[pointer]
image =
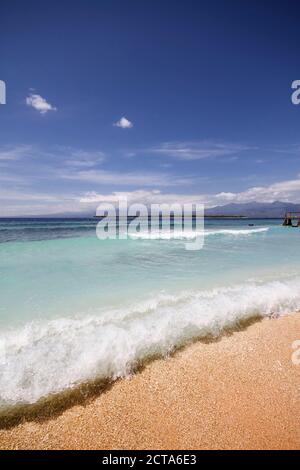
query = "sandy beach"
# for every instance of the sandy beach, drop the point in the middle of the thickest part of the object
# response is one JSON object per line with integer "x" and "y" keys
{"x": 239, "y": 392}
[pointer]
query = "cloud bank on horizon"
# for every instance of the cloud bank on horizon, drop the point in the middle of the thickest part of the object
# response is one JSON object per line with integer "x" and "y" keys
{"x": 77, "y": 174}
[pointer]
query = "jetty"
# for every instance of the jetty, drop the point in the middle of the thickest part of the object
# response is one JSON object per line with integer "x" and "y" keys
{"x": 289, "y": 217}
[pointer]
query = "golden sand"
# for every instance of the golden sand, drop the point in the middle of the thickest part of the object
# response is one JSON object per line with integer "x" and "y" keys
{"x": 241, "y": 392}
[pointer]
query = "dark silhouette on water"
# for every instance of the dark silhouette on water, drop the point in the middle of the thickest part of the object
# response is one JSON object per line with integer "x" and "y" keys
{"x": 288, "y": 219}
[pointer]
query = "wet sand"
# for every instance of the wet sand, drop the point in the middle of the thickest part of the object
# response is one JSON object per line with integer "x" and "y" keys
{"x": 240, "y": 392}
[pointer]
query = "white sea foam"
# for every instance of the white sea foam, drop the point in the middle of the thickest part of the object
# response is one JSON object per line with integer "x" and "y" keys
{"x": 237, "y": 232}
{"x": 44, "y": 358}
{"x": 191, "y": 234}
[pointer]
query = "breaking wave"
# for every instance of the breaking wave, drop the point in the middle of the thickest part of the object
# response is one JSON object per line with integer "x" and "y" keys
{"x": 40, "y": 359}
{"x": 191, "y": 234}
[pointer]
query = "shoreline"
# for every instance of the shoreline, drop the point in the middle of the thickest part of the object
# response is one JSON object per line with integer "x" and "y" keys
{"x": 55, "y": 404}
{"x": 241, "y": 391}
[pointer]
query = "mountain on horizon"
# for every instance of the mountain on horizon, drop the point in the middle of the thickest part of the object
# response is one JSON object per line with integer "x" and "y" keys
{"x": 254, "y": 209}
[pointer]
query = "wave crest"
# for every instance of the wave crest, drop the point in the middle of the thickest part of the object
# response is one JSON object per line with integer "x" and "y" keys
{"x": 190, "y": 234}
{"x": 45, "y": 358}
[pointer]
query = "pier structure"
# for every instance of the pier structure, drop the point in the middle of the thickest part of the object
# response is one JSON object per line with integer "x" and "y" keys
{"x": 289, "y": 217}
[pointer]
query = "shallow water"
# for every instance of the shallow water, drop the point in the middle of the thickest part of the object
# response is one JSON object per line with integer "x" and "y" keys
{"x": 74, "y": 308}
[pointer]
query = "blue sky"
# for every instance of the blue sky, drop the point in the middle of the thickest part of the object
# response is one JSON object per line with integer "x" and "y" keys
{"x": 161, "y": 100}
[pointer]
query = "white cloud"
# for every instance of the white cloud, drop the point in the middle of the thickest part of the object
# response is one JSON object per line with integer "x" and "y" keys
{"x": 140, "y": 195}
{"x": 197, "y": 150}
{"x": 11, "y": 178}
{"x": 82, "y": 158}
{"x": 69, "y": 156}
{"x": 39, "y": 103}
{"x": 144, "y": 196}
{"x": 124, "y": 123}
{"x": 285, "y": 191}
{"x": 14, "y": 152}
{"x": 20, "y": 202}
{"x": 59, "y": 167}
{"x": 123, "y": 178}
{"x": 25, "y": 203}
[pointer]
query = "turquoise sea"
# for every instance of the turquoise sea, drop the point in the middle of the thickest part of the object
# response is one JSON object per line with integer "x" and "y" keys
{"x": 74, "y": 308}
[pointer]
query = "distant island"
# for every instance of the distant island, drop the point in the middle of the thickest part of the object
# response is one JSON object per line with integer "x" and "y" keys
{"x": 248, "y": 210}
{"x": 220, "y": 216}
{"x": 263, "y": 210}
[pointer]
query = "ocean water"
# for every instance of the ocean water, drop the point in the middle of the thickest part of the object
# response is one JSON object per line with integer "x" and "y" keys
{"x": 75, "y": 308}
